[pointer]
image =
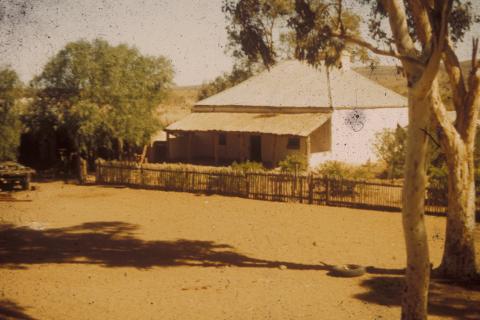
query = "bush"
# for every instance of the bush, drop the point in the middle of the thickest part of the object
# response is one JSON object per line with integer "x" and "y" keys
{"x": 10, "y": 126}
{"x": 438, "y": 175}
{"x": 390, "y": 148}
{"x": 294, "y": 163}
{"x": 342, "y": 170}
{"x": 248, "y": 166}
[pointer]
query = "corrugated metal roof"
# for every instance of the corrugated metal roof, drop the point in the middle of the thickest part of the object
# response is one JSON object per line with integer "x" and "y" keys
{"x": 299, "y": 124}
{"x": 296, "y": 84}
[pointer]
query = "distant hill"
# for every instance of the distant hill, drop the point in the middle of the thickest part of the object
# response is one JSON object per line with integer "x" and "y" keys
{"x": 389, "y": 77}
{"x": 178, "y": 103}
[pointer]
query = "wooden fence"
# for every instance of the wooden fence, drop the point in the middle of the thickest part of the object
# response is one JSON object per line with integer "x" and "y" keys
{"x": 267, "y": 186}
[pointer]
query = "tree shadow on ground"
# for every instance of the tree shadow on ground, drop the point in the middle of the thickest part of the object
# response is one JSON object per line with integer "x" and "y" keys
{"x": 449, "y": 299}
{"x": 11, "y": 310}
{"x": 113, "y": 244}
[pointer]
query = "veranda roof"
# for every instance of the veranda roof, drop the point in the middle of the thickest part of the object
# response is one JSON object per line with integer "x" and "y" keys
{"x": 298, "y": 124}
{"x": 296, "y": 84}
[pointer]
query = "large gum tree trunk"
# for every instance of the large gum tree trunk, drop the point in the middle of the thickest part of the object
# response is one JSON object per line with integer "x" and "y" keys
{"x": 417, "y": 277}
{"x": 459, "y": 251}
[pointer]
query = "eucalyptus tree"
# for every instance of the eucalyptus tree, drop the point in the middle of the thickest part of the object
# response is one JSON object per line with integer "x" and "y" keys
{"x": 99, "y": 95}
{"x": 421, "y": 34}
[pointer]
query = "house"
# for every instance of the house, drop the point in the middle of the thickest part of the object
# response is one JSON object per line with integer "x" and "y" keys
{"x": 292, "y": 108}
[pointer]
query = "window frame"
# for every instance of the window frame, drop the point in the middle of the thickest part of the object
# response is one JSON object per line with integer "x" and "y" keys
{"x": 293, "y": 143}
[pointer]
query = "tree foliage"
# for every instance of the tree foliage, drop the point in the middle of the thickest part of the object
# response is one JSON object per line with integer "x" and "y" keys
{"x": 266, "y": 31}
{"x": 239, "y": 73}
{"x": 10, "y": 125}
{"x": 294, "y": 163}
{"x": 259, "y": 34}
{"x": 99, "y": 94}
{"x": 390, "y": 148}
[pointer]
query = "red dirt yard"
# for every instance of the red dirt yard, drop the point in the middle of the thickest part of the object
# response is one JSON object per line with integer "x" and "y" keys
{"x": 91, "y": 252}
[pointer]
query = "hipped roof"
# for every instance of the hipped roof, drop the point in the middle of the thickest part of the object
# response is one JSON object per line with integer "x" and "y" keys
{"x": 301, "y": 124}
{"x": 297, "y": 84}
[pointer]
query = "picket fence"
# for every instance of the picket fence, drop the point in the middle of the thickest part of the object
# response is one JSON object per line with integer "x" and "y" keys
{"x": 286, "y": 187}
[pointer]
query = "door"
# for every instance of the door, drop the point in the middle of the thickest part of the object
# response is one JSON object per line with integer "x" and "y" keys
{"x": 256, "y": 148}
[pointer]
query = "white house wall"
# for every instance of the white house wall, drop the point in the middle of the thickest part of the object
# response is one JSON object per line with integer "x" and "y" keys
{"x": 353, "y": 142}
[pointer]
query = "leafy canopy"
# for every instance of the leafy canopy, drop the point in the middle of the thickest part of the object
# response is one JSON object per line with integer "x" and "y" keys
{"x": 96, "y": 93}
{"x": 321, "y": 30}
{"x": 10, "y": 125}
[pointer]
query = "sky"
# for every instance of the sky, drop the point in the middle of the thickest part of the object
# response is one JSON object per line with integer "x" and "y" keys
{"x": 191, "y": 33}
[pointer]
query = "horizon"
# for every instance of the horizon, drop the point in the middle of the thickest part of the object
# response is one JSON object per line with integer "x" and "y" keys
{"x": 190, "y": 34}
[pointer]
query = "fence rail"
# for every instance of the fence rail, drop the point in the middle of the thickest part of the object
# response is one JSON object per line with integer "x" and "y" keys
{"x": 284, "y": 187}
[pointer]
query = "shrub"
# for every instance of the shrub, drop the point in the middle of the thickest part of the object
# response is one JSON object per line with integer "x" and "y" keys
{"x": 390, "y": 147}
{"x": 342, "y": 170}
{"x": 438, "y": 175}
{"x": 248, "y": 166}
{"x": 294, "y": 163}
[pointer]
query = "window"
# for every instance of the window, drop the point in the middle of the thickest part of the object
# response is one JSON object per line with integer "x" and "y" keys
{"x": 293, "y": 143}
{"x": 222, "y": 139}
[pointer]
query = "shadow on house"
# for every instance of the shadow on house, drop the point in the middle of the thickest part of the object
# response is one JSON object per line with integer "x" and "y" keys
{"x": 11, "y": 310}
{"x": 113, "y": 244}
{"x": 447, "y": 299}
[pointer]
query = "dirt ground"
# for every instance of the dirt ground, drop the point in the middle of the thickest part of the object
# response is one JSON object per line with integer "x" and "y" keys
{"x": 90, "y": 252}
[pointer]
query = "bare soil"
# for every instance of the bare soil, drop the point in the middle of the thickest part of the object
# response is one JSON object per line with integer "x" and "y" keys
{"x": 90, "y": 252}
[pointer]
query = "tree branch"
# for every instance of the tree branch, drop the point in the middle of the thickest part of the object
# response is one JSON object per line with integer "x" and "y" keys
{"x": 389, "y": 53}
{"x": 438, "y": 39}
{"x": 472, "y": 101}
{"x": 398, "y": 23}
{"x": 397, "y": 17}
{"x": 457, "y": 80}
{"x": 440, "y": 117}
{"x": 430, "y": 136}
{"x": 421, "y": 20}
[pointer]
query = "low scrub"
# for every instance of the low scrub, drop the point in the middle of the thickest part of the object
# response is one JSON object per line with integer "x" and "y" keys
{"x": 294, "y": 163}
{"x": 248, "y": 166}
{"x": 342, "y": 170}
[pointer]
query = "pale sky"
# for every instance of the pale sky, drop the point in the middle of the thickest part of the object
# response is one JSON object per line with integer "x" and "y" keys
{"x": 189, "y": 32}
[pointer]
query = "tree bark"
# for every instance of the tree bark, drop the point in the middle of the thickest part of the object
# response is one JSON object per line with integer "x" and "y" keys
{"x": 120, "y": 149}
{"x": 459, "y": 252}
{"x": 458, "y": 141}
{"x": 417, "y": 276}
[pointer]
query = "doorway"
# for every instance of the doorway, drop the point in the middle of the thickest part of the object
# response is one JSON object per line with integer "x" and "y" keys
{"x": 256, "y": 148}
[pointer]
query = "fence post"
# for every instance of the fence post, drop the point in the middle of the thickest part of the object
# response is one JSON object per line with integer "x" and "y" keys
{"x": 97, "y": 171}
{"x": 247, "y": 186}
{"x": 83, "y": 171}
{"x": 310, "y": 188}
{"x": 142, "y": 178}
{"x": 327, "y": 191}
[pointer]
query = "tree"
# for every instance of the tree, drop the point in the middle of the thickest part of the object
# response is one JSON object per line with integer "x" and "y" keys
{"x": 100, "y": 96}
{"x": 390, "y": 147}
{"x": 10, "y": 125}
{"x": 240, "y": 72}
{"x": 458, "y": 143}
{"x": 420, "y": 36}
{"x": 279, "y": 39}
